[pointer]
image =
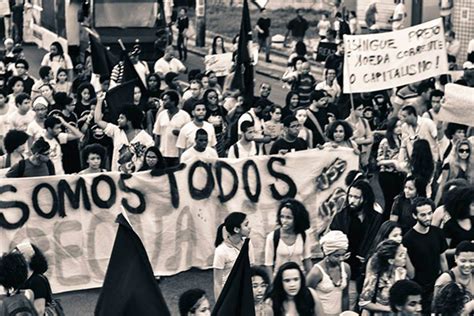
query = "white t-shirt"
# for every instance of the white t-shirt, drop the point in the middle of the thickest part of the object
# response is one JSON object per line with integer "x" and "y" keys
{"x": 56, "y": 154}
{"x": 164, "y": 128}
{"x": 399, "y": 9}
{"x": 241, "y": 151}
{"x": 257, "y": 122}
{"x": 4, "y": 123}
{"x": 34, "y": 130}
{"x": 188, "y": 133}
{"x": 137, "y": 146}
{"x": 297, "y": 252}
{"x": 225, "y": 256}
{"x": 20, "y": 122}
{"x": 57, "y": 62}
{"x": 192, "y": 154}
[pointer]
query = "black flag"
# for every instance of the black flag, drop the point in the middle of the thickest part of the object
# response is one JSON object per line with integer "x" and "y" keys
{"x": 130, "y": 287}
{"x": 236, "y": 298}
{"x": 102, "y": 59}
{"x": 243, "y": 74}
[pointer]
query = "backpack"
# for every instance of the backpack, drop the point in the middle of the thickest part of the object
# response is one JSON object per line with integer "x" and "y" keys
{"x": 235, "y": 148}
{"x": 276, "y": 240}
{"x": 16, "y": 305}
{"x": 22, "y": 163}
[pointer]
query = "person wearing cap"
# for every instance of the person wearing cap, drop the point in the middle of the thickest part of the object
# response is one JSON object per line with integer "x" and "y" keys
{"x": 318, "y": 119}
{"x": 140, "y": 66}
{"x": 14, "y": 144}
{"x": 37, "y": 165}
{"x": 330, "y": 277}
{"x": 168, "y": 63}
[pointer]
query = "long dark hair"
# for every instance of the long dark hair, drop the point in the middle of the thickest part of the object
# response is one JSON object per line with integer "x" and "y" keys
{"x": 60, "y": 49}
{"x": 383, "y": 253}
{"x": 83, "y": 86}
{"x": 390, "y": 133}
{"x": 384, "y": 231}
{"x": 421, "y": 161}
{"x": 159, "y": 164}
{"x": 303, "y": 299}
{"x": 299, "y": 212}
{"x": 450, "y": 300}
{"x": 232, "y": 221}
{"x": 214, "y": 44}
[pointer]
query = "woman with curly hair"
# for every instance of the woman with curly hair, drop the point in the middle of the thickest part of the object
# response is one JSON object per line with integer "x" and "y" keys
{"x": 451, "y": 301}
{"x": 441, "y": 215}
{"x": 288, "y": 242}
{"x": 384, "y": 268}
{"x": 289, "y": 294}
{"x": 13, "y": 273}
{"x": 86, "y": 97}
{"x": 339, "y": 134}
{"x": 460, "y": 227}
{"x": 390, "y": 179}
{"x": 194, "y": 302}
{"x": 37, "y": 281}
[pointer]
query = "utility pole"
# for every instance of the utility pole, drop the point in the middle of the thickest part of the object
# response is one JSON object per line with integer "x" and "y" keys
{"x": 200, "y": 23}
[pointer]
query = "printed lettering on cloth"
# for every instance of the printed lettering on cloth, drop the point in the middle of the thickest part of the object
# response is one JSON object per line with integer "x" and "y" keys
{"x": 458, "y": 106}
{"x": 72, "y": 218}
{"x": 385, "y": 60}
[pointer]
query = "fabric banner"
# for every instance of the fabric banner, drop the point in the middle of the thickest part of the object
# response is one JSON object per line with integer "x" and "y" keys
{"x": 458, "y": 106}
{"x": 385, "y": 60}
{"x": 71, "y": 218}
{"x": 125, "y": 13}
{"x": 219, "y": 63}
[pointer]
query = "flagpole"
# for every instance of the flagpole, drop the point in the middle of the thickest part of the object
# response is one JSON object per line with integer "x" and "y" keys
{"x": 349, "y": 74}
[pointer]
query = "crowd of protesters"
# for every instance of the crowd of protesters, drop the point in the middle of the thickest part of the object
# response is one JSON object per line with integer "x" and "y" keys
{"x": 413, "y": 254}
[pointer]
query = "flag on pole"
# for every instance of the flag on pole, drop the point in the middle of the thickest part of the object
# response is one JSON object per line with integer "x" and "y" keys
{"x": 236, "y": 298}
{"x": 243, "y": 74}
{"x": 129, "y": 287}
{"x": 102, "y": 59}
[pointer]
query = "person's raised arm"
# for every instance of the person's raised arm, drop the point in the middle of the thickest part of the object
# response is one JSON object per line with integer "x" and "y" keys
{"x": 98, "y": 114}
{"x": 74, "y": 133}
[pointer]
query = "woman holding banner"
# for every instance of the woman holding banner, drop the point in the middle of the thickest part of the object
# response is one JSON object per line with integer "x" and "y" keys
{"x": 228, "y": 244}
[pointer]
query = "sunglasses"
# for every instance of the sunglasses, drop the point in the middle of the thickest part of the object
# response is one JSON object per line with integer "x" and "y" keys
{"x": 463, "y": 151}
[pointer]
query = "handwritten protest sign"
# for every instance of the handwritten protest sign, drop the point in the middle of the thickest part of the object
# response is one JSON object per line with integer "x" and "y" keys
{"x": 324, "y": 50}
{"x": 385, "y": 60}
{"x": 71, "y": 218}
{"x": 219, "y": 63}
{"x": 458, "y": 105}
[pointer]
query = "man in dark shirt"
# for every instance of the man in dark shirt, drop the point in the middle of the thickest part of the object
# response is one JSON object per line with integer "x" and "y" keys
{"x": 37, "y": 165}
{"x": 290, "y": 141}
{"x": 22, "y": 66}
{"x": 336, "y": 61}
{"x": 263, "y": 33}
{"x": 297, "y": 27}
{"x": 426, "y": 247}
{"x": 317, "y": 113}
{"x": 360, "y": 222}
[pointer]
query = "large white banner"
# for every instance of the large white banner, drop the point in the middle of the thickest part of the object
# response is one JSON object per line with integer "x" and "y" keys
{"x": 458, "y": 105}
{"x": 380, "y": 61}
{"x": 71, "y": 218}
